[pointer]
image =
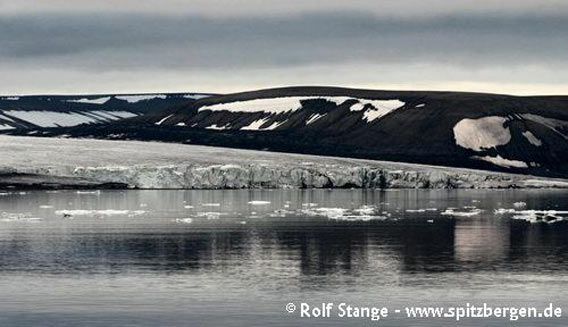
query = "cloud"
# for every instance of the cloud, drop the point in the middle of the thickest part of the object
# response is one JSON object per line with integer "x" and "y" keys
{"x": 129, "y": 41}
{"x": 263, "y": 8}
{"x": 463, "y": 48}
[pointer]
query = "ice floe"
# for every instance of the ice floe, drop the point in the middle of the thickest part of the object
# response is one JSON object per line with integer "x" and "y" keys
{"x": 421, "y": 210}
{"x": 343, "y": 214}
{"x": 98, "y": 213}
{"x": 184, "y": 220}
{"x": 258, "y": 203}
{"x": 18, "y": 217}
{"x": 535, "y": 216}
{"x": 209, "y": 215}
{"x": 453, "y": 212}
{"x": 519, "y": 204}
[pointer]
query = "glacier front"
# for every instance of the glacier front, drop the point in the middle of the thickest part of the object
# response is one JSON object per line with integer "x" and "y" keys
{"x": 32, "y": 162}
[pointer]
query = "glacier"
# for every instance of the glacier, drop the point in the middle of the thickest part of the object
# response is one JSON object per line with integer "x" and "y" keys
{"x": 34, "y": 162}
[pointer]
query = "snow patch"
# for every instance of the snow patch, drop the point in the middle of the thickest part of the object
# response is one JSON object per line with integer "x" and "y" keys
{"x": 163, "y": 120}
{"x": 482, "y": 133}
{"x": 314, "y": 117}
{"x": 532, "y": 139}
{"x": 380, "y": 108}
{"x": 553, "y": 124}
{"x": 92, "y": 101}
{"x": 289, "y": 104}
{"x": 214, "y": 126}
{"x": 138, "y": 98}
{"x": 502, "y": 162}
{"x": 52, "y": 118}
{"x": 196, "y": 96}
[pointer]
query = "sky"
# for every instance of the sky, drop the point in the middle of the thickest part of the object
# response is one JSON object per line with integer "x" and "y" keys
{"x": 221, "y": 46}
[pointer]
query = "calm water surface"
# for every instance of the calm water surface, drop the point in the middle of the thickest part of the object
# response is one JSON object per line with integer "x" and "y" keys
{"x": 236, "y": 258}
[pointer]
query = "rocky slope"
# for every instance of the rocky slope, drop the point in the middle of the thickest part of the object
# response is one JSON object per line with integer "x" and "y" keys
{"x": 526, "y": 135}
{"x": 30, "y": 162}
{"x": 28, "y": 113}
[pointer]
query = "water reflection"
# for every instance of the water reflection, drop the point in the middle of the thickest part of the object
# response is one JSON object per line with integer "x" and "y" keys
{"x": 281, "y": 248}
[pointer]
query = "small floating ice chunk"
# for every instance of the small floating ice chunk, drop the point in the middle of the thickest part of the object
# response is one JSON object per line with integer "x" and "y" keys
{"x": 210, "y": 204}
{"x": 519, "y": 204}
{"x": 45, "y": 206}
{"x": 18, "y": 217}
{"x": 421, "y": 210}
{"x": 184, "y": 220}
{"x": 89, "y": 192}
{"x": 258, "y": 202}
{"x": 209, "y": 215}
{"x": 188, "y": 207}
{"x": 535, "y": 216}
{"x": 358, "y": 218}
{"x": 108, "y": 212}
{"x": 309, "y": 204}
{"x": 365, "y": 210}
{"x": 452, "y": 212}
{"x": 325, "y": 212}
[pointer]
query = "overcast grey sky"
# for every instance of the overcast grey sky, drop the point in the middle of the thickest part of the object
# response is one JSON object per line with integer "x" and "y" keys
{"x": 57, "y": 46}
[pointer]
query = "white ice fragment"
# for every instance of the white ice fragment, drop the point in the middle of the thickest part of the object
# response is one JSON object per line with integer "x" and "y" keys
{"x": 258, "y": 202}
{"x": 452, "y": 212}
{"x": 519, "y": 204}
{"x": 184, "y": 220}
{"x": 107, "y": 212}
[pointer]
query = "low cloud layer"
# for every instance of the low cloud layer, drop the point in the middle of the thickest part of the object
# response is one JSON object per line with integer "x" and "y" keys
{"x": 509, "y": 47}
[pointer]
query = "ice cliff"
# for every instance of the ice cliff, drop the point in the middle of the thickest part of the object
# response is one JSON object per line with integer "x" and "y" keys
{"x": 53, "y": 163}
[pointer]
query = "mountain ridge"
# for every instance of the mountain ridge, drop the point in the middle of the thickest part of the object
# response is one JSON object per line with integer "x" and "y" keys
{"x": 517, "y": 134}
